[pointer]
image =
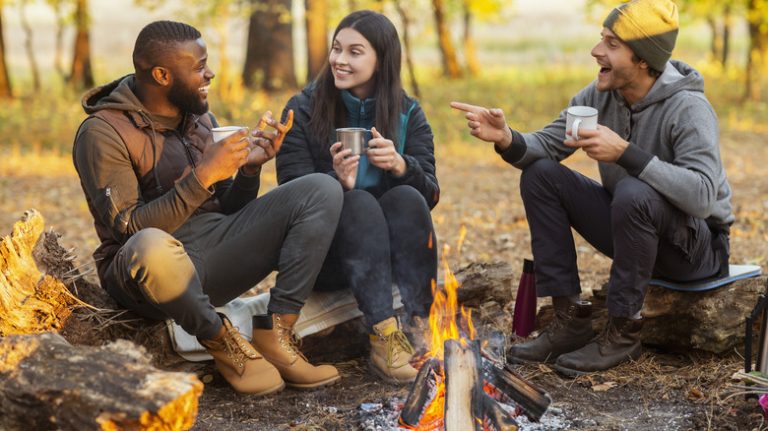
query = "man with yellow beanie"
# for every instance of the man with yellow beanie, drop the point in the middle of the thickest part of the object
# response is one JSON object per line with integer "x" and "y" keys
{"x": 662, "y": 209}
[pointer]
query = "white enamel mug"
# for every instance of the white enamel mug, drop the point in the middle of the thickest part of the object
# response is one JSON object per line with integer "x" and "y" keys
{"x": 580, "y": 117}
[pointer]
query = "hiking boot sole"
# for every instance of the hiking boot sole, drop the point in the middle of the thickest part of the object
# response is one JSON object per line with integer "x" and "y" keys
{"x": 313, "y": 385}
{"x": 387, "y": 378}
{"x": 265, "y": 392}
{"x": 570, "y": 372}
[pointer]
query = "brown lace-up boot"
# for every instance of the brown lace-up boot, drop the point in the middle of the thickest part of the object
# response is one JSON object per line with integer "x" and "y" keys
{"x": 571, "y": 329}
{"x": 240, "y": 364}
{"x": 391, "y": 352}
{"x": 619, "y": 342}
{"x": 273, "y": 337}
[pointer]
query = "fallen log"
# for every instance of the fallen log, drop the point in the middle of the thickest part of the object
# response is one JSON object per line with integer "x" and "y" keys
{"x": 30, "y": 301}
{"x": 46, "y": 383}
{"x": 485, "y": 281}
{"x": 711, "y": 321}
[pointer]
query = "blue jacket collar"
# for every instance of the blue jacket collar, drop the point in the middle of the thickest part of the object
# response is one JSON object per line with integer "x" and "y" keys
{"x": 359, "y": 112}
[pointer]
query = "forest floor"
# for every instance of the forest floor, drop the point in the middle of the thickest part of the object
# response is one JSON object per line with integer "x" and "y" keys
{"x": 662, "y": 390}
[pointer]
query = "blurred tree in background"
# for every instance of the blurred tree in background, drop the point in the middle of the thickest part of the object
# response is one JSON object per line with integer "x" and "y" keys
{"x": 270, "y": 49}
{"x": 316, "y": 18}
{"x": 81, "y": 75}
{"x": 5, "y": 80}
{"x": 757, "y": 56}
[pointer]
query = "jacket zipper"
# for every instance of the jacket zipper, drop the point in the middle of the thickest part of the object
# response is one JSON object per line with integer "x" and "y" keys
{"x": 189, "y": 152}
{"x": 108, "y": 192}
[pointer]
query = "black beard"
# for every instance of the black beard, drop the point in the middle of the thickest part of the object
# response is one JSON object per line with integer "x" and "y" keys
{"x": 187, "y": 101}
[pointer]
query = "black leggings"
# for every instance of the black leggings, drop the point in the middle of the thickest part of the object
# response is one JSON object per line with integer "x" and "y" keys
{"x": 379, "y": 242}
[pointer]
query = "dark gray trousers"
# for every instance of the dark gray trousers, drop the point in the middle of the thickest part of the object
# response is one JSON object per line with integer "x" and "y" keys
{"x": 380, "y": 242}
{"x": 213, "y": 258}
{"x": 637, "y": 227}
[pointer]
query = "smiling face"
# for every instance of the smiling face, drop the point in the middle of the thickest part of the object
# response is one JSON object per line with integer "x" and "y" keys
{"x": 191, "y": 78}
{"x": 618, "y": 71}
{"x": 353, "y": 63}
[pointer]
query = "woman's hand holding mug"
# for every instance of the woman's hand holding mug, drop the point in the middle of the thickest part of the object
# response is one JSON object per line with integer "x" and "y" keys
{"x": 382, "y": 154}
{"x": 345, "y": 165}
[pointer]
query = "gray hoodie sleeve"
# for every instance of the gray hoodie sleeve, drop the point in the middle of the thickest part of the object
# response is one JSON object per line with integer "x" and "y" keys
{"x": 690, "y": 181}
{"x": 547, "y": 143}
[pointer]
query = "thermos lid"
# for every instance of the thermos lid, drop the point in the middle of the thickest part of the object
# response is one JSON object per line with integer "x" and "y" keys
{"x": 527, "y": 265}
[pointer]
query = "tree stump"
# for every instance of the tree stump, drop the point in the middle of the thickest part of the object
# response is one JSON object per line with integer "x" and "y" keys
{"x": 485, "y": 281}
{"x": 30, "y": 301}
{"x": 46, "y": 384}
{"x": 712, "y": 321}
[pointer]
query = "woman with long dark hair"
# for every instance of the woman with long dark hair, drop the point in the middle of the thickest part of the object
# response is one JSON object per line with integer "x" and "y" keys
{"x": 385, "y": 234}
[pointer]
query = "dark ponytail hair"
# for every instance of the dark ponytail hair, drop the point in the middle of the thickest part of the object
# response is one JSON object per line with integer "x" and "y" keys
{"x": 328, "y": 108}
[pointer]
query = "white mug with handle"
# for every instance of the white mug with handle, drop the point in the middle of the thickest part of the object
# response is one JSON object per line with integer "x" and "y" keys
{"x": 580, "y": 117}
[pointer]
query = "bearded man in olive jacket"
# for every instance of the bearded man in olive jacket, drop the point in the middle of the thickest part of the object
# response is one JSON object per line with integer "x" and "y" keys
{"x": 181, "y": 227}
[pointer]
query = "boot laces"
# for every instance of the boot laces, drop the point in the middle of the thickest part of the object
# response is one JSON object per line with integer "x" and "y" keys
{"x": 238, "y": 350}
{"x": 288, "y": 340}
{"x": 561, "y": 317}
{"x": 396, "y": 343}
{"x": 609, "y": 334}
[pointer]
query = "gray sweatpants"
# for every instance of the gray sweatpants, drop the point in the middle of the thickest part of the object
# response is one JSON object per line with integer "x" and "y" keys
{"x": 213, "y": 258}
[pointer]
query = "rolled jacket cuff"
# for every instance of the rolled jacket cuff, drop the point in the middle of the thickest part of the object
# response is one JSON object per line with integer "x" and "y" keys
{"x": 634, "y": 159}
{"x": 516, "y": 149}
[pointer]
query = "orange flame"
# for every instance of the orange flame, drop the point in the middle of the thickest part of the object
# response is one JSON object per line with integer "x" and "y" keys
{"x": 442, "y": 315}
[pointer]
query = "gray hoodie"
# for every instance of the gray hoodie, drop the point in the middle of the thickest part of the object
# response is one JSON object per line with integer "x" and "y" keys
{"x": 674, "y": 142}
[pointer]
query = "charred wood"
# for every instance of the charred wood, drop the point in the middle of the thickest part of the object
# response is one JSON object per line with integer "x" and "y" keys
{"x": 423, "y": 392}
{"x": 533, "y": 401}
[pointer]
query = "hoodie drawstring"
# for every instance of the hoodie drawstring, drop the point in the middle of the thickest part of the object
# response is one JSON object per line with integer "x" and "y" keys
{"x": 158, "y": 186}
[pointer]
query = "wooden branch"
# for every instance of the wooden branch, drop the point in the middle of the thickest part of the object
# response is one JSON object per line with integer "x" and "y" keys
{"x": 46, "y": 383}
{"x": 30, "y": 302}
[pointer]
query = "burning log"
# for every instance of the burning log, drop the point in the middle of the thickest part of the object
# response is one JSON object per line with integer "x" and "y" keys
{"x": 425, "y": 392}
{"x": 533, "y": 401}
{"x": 46, "y": 383}
{"x": 467, "y": 406}
{"x": 30, "y": 302}
{"x": 463, "y": 387}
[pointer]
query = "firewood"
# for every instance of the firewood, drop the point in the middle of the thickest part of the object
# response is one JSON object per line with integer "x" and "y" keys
{"x": 30, "y": 301}
{"x": 497, "y": 418}
{"x": 463, "y": 386}
{"x": 423, "y": 392}
{"x": 46, "y": 383}
{"x": 533, "y": 401}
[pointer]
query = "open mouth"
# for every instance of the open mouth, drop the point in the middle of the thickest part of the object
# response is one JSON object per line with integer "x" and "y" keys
{"x": 204, "y": 90}
{"x": 604, "y": 70}
{"x": 343, "y": 72}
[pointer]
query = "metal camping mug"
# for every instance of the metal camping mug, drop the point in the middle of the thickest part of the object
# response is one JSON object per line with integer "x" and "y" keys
{"x": 352, "y": 138}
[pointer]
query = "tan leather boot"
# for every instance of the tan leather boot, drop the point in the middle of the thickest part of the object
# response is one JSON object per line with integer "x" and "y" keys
{"x": 391, "y": 352}
{"x": 273, "y": 337}
{"x": 240, "y": 364}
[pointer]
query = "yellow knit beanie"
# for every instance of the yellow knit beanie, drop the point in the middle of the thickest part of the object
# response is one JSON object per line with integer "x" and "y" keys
{"x": 649, "y": 27}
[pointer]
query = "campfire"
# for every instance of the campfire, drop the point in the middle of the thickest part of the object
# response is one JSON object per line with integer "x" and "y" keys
{"x": 463, "y": 383}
